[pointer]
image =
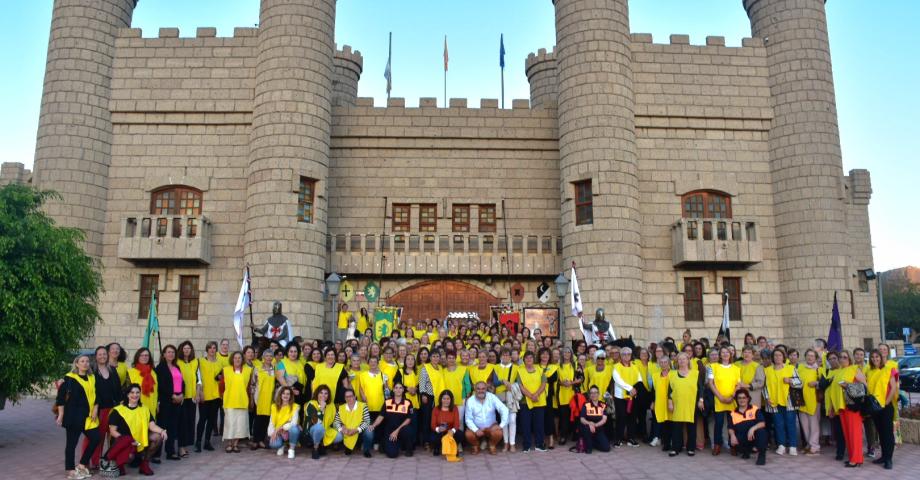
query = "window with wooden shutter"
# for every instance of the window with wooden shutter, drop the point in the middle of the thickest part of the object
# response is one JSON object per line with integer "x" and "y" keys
{"x": 147, "y": 287}
{"x": 428, "y": 217}
{"x": 693, "y": 299}
{"x": 188, "y": 297}
{"x": 584, "y": 209}
{"x": 460, "y": 218}
{"x": 732, "y": 286}
{"x": 401, "y": 217}
{"x": 487, "y": 219}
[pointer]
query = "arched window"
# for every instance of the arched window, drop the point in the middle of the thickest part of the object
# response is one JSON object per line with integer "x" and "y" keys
{"x": 176, "y": 200}
{"x": 706, "y": 204}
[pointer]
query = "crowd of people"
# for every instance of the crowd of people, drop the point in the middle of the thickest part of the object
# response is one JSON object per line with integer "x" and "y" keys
{"x": 456, "y": 388}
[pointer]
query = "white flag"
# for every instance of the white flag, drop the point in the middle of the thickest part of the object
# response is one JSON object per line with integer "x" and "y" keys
{"x": 242, "y": 303}
{"x": 575, "y": 296}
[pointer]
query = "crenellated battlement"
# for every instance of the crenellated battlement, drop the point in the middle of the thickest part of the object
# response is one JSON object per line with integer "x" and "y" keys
{"x": 170, "y": 37}
{"x": 349, "y": 59}
{"x": 678, "y": 39}
{"x": 541, "y": 73}
{"x": 541, "y": 60}
{"x": 456, "y": 106}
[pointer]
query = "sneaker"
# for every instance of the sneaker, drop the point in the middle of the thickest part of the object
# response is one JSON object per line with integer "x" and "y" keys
{"x": 280, "y": 452}
{"x": 539, "y": 449}
{"x": 632, "y": 443}
{"x": 793, "y": 452}
{"x": 672, "y": 453}
{"x": 780, "y": 450}
{"x": 83, "y": 471}
{"x": 655, "y": 442}
{"x": 290, "y": 453}
{"x": 870, "y": 453}
{"x": 75, "y": 475}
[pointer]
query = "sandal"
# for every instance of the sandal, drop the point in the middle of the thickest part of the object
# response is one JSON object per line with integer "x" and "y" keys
{"x": 183, "y": 454}
{"x": 228, "y": 450}
{"x": 236, "y": 450}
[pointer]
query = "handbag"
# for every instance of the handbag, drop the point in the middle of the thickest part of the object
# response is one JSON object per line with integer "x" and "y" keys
{"x": 797, "y": 391}
{"x": 871, "y": 406}
{"x": 855, "y": 395}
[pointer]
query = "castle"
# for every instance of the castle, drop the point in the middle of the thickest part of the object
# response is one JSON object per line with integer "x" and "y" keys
{"x": 670, "y": 173}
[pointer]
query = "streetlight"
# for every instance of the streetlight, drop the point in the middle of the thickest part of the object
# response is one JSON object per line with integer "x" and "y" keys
{"x": 333, "y": 282}
{"x": 871, "y": 275}
{"x": 562, "y": 286}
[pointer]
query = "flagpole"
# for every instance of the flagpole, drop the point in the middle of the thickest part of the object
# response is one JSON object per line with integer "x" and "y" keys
{"x": 503, "y": 87}
{"x": 501, "y": 55}
{"x": 508, "y": 253}
{"x": 159, "y": 340}
{"x": 252, "y": 325}
{"x": 390, "y": 65}
{"x": 445, "y": 72}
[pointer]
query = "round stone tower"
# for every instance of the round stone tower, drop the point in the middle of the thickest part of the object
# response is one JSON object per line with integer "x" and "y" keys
{"x": 541, "y": 73}
{"x": 348, "y": 66}
{"x": 597, "y": 142}
{"x": 289, "y": 141}
{"x": 805, "y": 162}
{"x": 74, "y": 145}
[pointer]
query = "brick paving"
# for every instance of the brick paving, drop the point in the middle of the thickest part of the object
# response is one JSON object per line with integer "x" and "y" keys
{"x": 31, "y": 448}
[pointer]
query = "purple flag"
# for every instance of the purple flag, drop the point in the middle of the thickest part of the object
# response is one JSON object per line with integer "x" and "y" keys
{"x": 835, "y": 336}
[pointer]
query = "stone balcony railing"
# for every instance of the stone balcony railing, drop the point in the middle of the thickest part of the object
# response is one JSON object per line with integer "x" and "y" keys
{"x": 715, "y": 243}
{"x": 436, "y": 254}
{"x": 150, "y": 239}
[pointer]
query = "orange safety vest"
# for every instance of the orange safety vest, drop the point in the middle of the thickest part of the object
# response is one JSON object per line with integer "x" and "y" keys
{"x": 592, "y": 411}
{"x": 748, "y": 415}
{"x": 392, "y": 407}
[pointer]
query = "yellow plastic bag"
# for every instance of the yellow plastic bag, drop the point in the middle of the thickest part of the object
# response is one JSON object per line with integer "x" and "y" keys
{"x": 449, "y": 448}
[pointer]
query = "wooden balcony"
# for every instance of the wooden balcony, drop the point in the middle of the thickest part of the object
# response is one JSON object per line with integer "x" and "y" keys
{"x": 716, "y": 243}
{"x": 153, "y": 239}
{"x": 442, "y": 254}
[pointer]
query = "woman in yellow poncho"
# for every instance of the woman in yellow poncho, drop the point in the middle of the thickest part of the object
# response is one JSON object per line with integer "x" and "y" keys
{"x": 141, "y": 373}
{"x": 776, "y": 401}
{"x": 263, "y": 394}
{"x": 284, "y": 424}
{"x": 882, "y": 384}
{"x": 564, "y": 392}
{"x": 684, "y": 399}
{"x": 237, "y": 377}
{"x": 810, "y": 372}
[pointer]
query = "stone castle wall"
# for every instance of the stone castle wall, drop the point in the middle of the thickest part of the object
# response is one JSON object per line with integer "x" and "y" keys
{"x": 182, "y": 114}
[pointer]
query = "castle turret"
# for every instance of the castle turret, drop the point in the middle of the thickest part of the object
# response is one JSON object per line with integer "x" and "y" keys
{"x": 12, "y": 172}
{"x": 541, "y": 73}
{"x": 597, "y": 143}
{"x": 348, "y": 66}
{"x": 74, "y": 145}
{"x": 285, "y": 232}
{"x": 805, "y": 162}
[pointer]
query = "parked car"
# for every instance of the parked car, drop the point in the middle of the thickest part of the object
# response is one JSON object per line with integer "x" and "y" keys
{"x": 910, "y": 381}
{"x": 909, "y": 364}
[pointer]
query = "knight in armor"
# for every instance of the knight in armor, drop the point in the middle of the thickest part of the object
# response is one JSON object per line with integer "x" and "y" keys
{"x": 598, "y": 332}
{"x": 277, "y": 327}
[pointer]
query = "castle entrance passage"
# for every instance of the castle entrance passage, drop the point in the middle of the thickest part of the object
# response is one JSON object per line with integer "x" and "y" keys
{"x": 437, "y": 298}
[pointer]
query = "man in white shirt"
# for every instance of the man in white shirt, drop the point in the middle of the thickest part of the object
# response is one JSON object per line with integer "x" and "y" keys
{"x": 481, "y": 420}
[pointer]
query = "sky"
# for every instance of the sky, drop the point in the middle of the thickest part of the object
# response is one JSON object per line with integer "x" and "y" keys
{"x": 873, "y": 50}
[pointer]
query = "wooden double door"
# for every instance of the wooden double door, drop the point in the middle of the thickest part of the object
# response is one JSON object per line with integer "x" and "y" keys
{"x": 437, "y": 298}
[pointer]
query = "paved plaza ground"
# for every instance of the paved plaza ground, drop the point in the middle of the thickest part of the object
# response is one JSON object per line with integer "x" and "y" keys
{"x": 31, "y": 447}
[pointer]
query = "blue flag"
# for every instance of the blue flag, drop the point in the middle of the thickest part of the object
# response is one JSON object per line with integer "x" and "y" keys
{"x": 835, "y": 336}
{"x": 501, "y": 51}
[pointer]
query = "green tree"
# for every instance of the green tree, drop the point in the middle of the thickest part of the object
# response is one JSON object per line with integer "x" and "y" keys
{"x": 48, "y": 292}
{"x": 902, "y": 308}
